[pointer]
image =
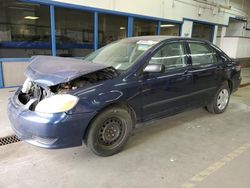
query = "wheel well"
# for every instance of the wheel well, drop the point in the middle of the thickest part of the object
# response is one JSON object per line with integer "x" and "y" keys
{"x": 121, "y": 105}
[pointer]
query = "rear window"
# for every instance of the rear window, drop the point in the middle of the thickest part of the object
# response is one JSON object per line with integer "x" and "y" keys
{"x": 202, "y": 53}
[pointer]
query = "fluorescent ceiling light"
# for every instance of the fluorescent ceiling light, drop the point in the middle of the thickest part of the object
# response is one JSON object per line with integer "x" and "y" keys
{"x": 167, "y": 25}
{"x": 31, "y": 17}
{"x": 122, "y": 28}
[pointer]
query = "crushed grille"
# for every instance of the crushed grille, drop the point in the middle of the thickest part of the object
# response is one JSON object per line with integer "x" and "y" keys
{"x": 9, "y": 140}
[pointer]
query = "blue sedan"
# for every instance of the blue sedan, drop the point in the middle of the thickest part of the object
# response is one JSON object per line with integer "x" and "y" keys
{"x": 99, "y": 100}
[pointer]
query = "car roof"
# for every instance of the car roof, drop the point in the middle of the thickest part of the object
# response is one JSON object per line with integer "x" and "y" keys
{"x": 159, "y": 38}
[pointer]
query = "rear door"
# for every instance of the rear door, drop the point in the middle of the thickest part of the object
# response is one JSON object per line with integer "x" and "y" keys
{"x": 205, "y": 69}
{"x": 167, "y": 92}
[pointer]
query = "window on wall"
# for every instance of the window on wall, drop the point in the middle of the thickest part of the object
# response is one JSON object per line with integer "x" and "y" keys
{"x": 24, "y": 29}
{"x": 74, "y": 32}
{"x": 144, "y": 27}
{"x": 203, "y": 31}
{"x": 170, "y": 29}
{"x": 111, "y": 28}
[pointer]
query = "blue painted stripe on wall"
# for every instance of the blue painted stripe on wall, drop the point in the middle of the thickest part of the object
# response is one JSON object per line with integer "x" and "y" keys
{"x": 53, "y": 30}
{"x": 1, "y": 76}
{"x": 9, "y": 87}
{"x": 25, "y": 44}
{"x": 42, "y": 45}
{"x": 14, "y": 59}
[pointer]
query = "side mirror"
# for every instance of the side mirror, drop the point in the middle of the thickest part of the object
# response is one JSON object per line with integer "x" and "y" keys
{"x": 154, "y": 68}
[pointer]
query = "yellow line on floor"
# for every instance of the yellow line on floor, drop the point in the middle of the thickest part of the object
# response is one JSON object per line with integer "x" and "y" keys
{"x": 195, "y": 180}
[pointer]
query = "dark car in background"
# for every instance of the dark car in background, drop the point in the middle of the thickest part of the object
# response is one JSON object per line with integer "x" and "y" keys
{"x": 65, "y": 102}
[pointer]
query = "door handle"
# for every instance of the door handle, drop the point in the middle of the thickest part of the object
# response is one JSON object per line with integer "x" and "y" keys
{"x": 186, "y": 72}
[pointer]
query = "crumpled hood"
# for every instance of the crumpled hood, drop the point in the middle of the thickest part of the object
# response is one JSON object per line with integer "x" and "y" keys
{"x": 49, "y": 71}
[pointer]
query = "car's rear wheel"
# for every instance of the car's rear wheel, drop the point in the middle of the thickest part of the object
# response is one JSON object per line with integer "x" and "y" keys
{"x": 109, "y": 131}
{"x": 220, "y": 100}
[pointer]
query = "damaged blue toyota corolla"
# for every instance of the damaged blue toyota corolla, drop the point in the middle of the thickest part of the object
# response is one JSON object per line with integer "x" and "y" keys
{"x": 99, "y": 100}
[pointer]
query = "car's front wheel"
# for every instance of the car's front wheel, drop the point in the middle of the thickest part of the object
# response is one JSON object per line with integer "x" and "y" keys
{"x": 220, "y": 101}
{"x": 109, "y": 131}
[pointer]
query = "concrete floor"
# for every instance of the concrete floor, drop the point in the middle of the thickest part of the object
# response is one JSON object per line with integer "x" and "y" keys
{"x": 191, "y": 149}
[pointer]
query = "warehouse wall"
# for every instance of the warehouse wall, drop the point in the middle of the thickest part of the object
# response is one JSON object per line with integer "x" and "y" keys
{"x": 236, "y": 28}
{"x": 243, "y": 50}
{"x": 236, "y": 47}
{"x": 173, "y": 9}
{"x": 247, "y": 33}
{"x": 13, "y": 73}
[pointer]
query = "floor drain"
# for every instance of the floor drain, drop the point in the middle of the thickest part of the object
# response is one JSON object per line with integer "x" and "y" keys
{"x": 8, "y": 140}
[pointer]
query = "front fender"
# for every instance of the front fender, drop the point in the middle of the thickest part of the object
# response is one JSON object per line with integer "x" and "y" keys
{"x": 96, "y": 101}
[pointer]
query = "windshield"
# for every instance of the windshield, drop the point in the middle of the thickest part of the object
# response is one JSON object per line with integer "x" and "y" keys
{"x": 121, "y": 54}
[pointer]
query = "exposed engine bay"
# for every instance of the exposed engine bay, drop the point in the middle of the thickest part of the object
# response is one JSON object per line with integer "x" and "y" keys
{"x": 32, "y": 91}
{"x": 107, "y": 73}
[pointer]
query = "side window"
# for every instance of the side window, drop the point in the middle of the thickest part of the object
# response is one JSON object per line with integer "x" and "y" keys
{"x": 202, "y": 54}
{"x": 171, "y": 56}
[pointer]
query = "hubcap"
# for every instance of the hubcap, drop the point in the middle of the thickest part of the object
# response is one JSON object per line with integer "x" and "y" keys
{"x": 222, "y": 99}
{"x": 110, "y": 131}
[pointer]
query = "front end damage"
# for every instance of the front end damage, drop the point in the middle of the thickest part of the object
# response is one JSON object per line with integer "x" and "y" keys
{"x": 38, "y": 111}
{"x": 33, "y": 93}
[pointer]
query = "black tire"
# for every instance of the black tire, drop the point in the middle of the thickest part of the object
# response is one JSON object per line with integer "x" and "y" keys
{"x": 109, "y": 131}
{"x": 216, "y": 107}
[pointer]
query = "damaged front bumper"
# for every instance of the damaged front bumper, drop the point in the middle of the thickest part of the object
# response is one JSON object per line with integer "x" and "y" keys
{"x": 58, "y": 130}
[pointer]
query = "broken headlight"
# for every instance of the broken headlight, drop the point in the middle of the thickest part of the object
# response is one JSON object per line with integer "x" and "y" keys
{"x": 57, "y": 103}
{"x": 26, "y": 86}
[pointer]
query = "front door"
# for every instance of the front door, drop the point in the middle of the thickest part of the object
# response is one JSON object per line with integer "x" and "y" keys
{"x": 168, "y": 92}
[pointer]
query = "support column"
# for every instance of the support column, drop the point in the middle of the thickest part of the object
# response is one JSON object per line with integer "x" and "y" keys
{"x": 95, "y": 31}
{"x": 130, "y": 26}
{"x": 158, "y": 28}
{"x": 223, "y": 34}
{"x": 53, "y": 30}
{"x": 187, "y": 28}
{"x": 215, "y": 34}
{"x": 1, "y": 76}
